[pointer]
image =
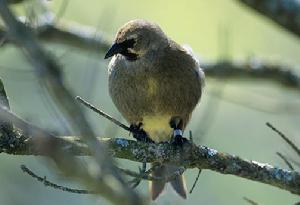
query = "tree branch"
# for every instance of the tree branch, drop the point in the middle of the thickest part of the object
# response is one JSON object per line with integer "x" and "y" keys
{"x": 85, "y": 38}
{"x": 191, "y": 156}
{"x": 284, "y": 75}
{"x": 49, "y": 73}
{"x": 51, "y": 184}
{"x": 78, "y": 36}
{"x": 283, "y": 12}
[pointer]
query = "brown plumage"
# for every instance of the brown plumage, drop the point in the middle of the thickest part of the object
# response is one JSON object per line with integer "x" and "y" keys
{"x": 154, "y": 81}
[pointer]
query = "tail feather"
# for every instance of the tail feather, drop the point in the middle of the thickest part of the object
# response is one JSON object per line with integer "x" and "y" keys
{"x": 156, "y": 187}
{"x": 178, "y": 184}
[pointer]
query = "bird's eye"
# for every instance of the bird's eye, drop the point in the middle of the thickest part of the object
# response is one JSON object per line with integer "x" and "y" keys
{"x": 129, "y": 43}
{"x": 125, "y": 52}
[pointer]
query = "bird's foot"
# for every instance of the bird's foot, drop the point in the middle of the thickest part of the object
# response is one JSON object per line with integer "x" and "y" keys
{"x": 139, "y": 134}
{"x": 178, "y": 140}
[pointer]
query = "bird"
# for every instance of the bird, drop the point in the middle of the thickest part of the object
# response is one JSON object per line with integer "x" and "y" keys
{"x": 155, "y": 84}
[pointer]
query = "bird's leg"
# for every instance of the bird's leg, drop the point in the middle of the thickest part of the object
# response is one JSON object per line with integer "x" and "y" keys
{"x": 177, "y": 138}
{"x": 138, "y": 133}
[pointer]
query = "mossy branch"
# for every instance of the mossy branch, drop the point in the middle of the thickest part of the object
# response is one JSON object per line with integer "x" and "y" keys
{"x": 190, "y": 156}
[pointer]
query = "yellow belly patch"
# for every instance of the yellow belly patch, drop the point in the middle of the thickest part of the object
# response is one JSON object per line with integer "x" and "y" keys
{"x": 158, "y": 127}
{"x": 152, "y": 87}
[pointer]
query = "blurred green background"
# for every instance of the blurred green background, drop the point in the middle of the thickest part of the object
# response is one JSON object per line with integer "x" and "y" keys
{"x": 230, "y": 118}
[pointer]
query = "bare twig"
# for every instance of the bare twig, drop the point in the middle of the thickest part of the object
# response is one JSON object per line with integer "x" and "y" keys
{"x": 195, "y": 182}
{"x": 285, "y": 160}
{"x": 103, "y": 114}
{"x": 53, "y": 185}
{"x": 136, "y": 181}
{"x": 250, "y": 201}
{"x": 285, "y": 138}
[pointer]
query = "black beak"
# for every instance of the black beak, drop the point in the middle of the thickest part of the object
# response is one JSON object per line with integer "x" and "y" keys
{"x": 114, "y": 49}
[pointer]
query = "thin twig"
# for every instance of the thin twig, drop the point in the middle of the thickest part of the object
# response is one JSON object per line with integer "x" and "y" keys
{"x": 103, "y": 114}
{"x": 53, "y": 185}
{"x": 285, "y": 161}
{"x": 250, "y": 201}
{"x": 136, "y": 181}
{"x": 285, "y": 138}
{"x": 196, "y": 180}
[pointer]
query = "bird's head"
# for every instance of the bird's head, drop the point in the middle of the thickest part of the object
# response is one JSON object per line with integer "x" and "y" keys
{"x": 136, "y": 38}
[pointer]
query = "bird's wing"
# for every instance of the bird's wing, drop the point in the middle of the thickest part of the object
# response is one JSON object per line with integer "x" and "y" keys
{"x": 190, "y": 51}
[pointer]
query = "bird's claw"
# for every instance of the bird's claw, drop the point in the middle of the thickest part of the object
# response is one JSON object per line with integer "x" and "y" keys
{"x": 139, "y": 134}
{"x": 178, "y": 140}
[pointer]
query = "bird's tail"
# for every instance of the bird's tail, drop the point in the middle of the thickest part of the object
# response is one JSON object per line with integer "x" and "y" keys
{"x": 178, "y": 184}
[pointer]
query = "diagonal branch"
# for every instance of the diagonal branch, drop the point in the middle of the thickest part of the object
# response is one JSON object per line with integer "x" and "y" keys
{"x": 283, "y": 12}
{"x": 50, "y": 75}
{"x": 285, "y": 138}
{"x": 190, "y": 156}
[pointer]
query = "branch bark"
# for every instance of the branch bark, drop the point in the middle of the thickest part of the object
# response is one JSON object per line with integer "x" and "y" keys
{"x": 190, "y": 156}
{"x": 285, "y": 13}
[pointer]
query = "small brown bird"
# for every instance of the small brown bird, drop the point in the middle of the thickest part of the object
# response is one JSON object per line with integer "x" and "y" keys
{"x": 156, "y": 84}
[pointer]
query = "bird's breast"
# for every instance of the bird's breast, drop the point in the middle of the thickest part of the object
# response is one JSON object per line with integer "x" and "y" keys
{"x": 153, "y": 94}
{"x": 157, "y": 126}
{"x": 152, "y": 87}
